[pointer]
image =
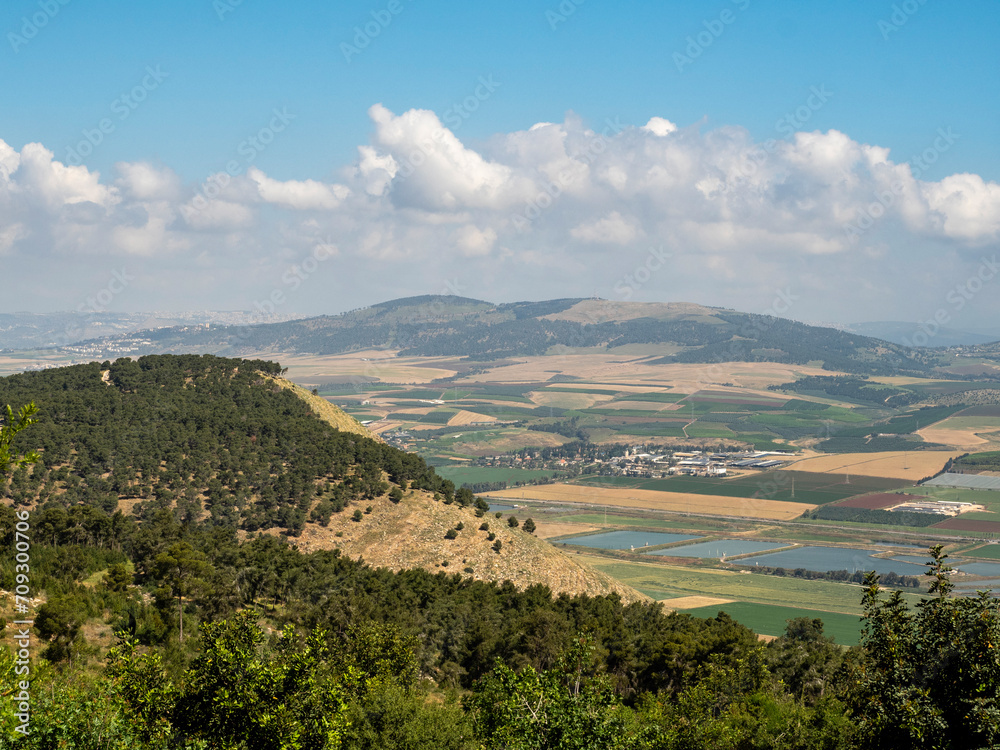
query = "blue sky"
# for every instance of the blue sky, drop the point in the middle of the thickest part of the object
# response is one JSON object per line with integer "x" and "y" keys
{"x": 913, "y": 78}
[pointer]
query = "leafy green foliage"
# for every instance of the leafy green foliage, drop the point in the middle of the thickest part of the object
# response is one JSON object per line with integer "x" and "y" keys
{"x": 181, "y": 569}
{"x": 238, "y": 695}
{"x": 8, "y": 431}
{"x": 59, "y": 621}
{"x": 569, "y": 707}
{"x": 930, "y": 677}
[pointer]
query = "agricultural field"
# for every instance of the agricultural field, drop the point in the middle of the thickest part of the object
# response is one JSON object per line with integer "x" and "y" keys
{"x": 769, "y": 619}
{"x": 977, "y": 428}
{"x": 878, "y": 501}
{"x": 484, "y": 474}
{"x": 716, "y": 505}
{"x": 360, "y": 367}
{"x": 789, "y": 486}
{"x": 901, "y": 465}
{"x": 662, "y": 581}
{"x": 986, "y": 552}
{"x": 870, "y": 452}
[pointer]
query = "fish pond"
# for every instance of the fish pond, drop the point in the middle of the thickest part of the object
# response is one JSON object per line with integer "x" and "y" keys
{"x": 720, "y": 548}
{"x": 828, "y": 559}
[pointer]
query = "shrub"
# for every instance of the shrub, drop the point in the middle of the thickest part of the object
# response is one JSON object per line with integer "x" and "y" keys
{"x": 459, "y": 526}
{"x": 491, "y": 536}
{"x": 497, "y": 545}
{"x": 529, "y": 525}
{"x": 484, "y": 526}
{"x": 358, "y": 515}
{"x": 512, "y": 522}
{"x": 451, "y": 534}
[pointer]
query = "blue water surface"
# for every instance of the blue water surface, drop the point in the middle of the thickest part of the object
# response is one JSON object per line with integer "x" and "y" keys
{"x": 719, "y": 548}
{"x": 826, "y": 559}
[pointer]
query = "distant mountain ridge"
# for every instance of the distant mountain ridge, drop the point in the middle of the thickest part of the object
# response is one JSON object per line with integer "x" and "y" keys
{"x": 914, "y": 334}
{"x": 436, "y": 325}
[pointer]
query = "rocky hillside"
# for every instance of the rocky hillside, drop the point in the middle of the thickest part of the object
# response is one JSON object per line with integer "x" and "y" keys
{"x": 412, "y": 534}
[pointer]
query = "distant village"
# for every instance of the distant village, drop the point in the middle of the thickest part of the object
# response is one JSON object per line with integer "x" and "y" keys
{"x": 636, "y": 461}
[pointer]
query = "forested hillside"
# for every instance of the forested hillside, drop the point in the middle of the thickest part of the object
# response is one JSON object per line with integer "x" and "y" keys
{"x": 197, "y": 435}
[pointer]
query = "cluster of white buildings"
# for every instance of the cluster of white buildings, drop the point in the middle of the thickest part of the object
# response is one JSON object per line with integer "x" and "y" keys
{"x": 697, "y": 463}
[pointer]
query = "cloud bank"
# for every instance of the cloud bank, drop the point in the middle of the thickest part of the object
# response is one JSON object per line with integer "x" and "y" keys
{"x": 558, "y": 209}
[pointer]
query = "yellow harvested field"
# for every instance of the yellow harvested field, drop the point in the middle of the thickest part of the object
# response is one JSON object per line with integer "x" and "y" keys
{"x": 616, "y": 370}
{"x": 547, "y": 530}
{"x": 643, "y": 406}
{"x": 676, "y": 502}
{"x": 966, "y": 438}
{"x": 468, "y": 417}
{"x": 693, "y": 602}
{"x": 562, "y": 400}
{"x": 909, "y": 465}
{"x": 511, "y": 440}
{"x": 362, "y": 367}
{"x": 618, "y": 387}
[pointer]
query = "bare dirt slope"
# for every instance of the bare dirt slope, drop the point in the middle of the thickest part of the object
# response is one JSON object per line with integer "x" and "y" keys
{"x": 327, "y": 411}
{"x": 411, "y": 534}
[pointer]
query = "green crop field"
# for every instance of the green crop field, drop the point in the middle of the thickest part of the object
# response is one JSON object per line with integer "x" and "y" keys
{"x": 479, "y": 474}
{"x": 664, "y": 398}
{"x": 712, "y": 430}
{"x": 988, "y": 552}
{"x": 970, "y": 423}
{"x": 769, "y": 619}
{"x": 762, "y": 442}
{"x": 668, "y": 581}
{"x": 809, "y": 487}
{"x": 434, "y": 417}
{"x": 646, "y": 430}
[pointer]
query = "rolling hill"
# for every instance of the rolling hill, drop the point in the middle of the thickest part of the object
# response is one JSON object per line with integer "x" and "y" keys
{"x": 478, "y": 330}
{"x": 230, "y": 443}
